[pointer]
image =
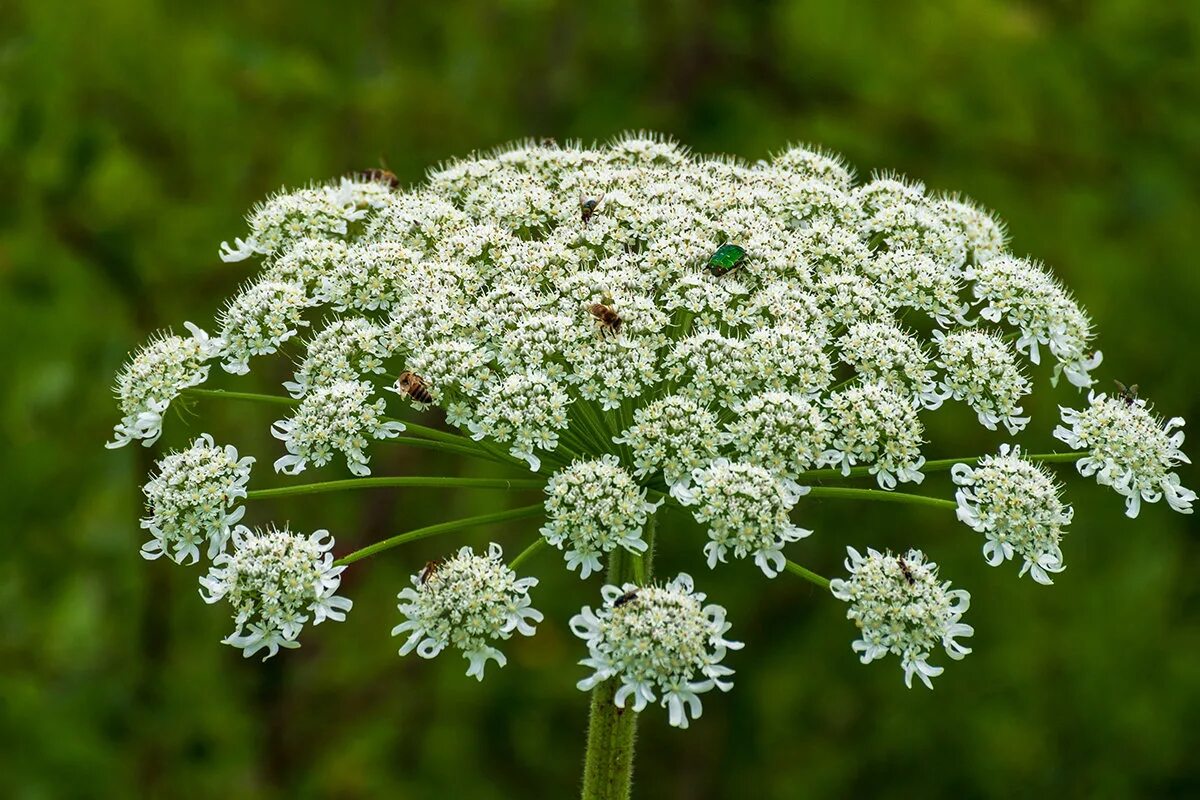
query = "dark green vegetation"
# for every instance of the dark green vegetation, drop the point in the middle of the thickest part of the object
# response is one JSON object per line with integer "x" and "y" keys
{"x": 133, "y": 137}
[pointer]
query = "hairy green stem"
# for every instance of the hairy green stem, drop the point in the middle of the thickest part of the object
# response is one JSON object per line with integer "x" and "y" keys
{"x": 441, "y": 527}
{"x": 880, "y": 496}
{"x": 939, "y": 465}
{"x": 396, "y": 481}
{"x": 806, "y": 574}
{"x": 608, "y": 764}
{"x": 536, "y": 547}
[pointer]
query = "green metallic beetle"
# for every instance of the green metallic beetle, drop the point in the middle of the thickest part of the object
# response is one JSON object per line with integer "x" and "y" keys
{"x": 726, "y": 259}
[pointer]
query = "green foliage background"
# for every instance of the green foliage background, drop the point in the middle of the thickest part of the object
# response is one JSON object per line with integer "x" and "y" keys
{"x": 134, "y": 135}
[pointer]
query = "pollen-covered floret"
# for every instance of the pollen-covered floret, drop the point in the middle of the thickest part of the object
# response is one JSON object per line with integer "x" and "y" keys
{"x": 468, "y": 602}
{"x": 675, "y": 434}
{"x": 981, "y": 370}
{"x": 259, "y": 319}
{"x": 276, "y": 582}
{"x": 900, "y": 607}
{"x": 877, "y": 426}
{"x": 157, "y": 373}
{"x": 785, "y": 433}
{"x": 336, "y": 418}
{"x": 883, "y": 351}
{"x": 592, "y": 508}
{"x": 1129, "y": 449}
{"x": 1018, "y": 507}
{"x": 660, "y": 642}
{"x": 193, "y": 499}
{"x": 746, "y": 510}
{"x": 1026, "y": 296}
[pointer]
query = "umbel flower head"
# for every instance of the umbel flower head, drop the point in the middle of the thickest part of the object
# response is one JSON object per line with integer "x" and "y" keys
{"x": 594, "y": 507}
{"x": 193, "y": 499}
{"x": 746, "y": 510}
{"x": 1018, "y": 506}
{"x": 900, "y": 607}
{"x": 340, "y": 417}
{"x": 1130, "y": 449}
{"x": 661, "y": 642}
{"x": 276, "y": 582}
{"x": 468, "y": 602}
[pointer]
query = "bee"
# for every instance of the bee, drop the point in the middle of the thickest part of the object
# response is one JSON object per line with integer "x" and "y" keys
{"x": 381, "y": 176}
{"x": 905, "y": 570}
{"x": 427, "y": 571}
{"x": 726, "y": 259}
{"x": 610, "y": 322}
{"x": 1127, "y": 393}
{"x": 413, "y": 385}
{"x": 588, "y": 206}
{"x": 625, "y": 598}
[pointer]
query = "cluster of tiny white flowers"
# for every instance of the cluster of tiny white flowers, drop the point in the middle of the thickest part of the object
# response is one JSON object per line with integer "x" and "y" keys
{"x": 876, "y": 425}
{"x": 1018, "y": 506}
{"x": 900, "y": 607}
{"x": 1129, "y": 449}
{"x": 660, "y": 322}
{"x": 594, "y": 507}
{"x": 883, "y": 351}
{"x": 259, "y": 319}
{"x": 661, "y": 642}
{"x": 980, "y": 369}
{"x": 336, "y": 418}
{"x": 276, "y": 581}
{"x": 157, "y": 373}
{"x": 193, "y": 498}
{"x": 468, "y": 602}
{"x": 1028, "y": 297}
{"x": 785, "y": 433}
{"x": 746, "y": 509}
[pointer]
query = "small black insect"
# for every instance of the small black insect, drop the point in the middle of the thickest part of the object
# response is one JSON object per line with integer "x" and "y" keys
{"x": 1127, "y": 393}
{"x": 906, "y": 570}
{"x": 625, "y": 598}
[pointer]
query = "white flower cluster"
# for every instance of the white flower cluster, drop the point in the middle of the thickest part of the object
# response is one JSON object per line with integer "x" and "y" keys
{"x": 784, "y": 433}
{"x": 1018, "y": 506}
{"x": 900, "y": 607}
{"x": 885, "y": 352}
{"x": 192, "y": 499}
{"x": 658, "y": 641}
{"x": 467, "y": 602}
{"x": 1129, "y": 449}
{"x": 874, "y": 424}
{"x": 343, "y": 351}
{"x": 746, "y": 509}
{"x": 259, "y": 319}
{"x": 157, "y": 373}
{"x": 339, "y": 417}
{"x": 592, "y": 508}
{"x": 980, "y": 369}
{"x": 675, "y": 434}
{"x": 276, "y": 581}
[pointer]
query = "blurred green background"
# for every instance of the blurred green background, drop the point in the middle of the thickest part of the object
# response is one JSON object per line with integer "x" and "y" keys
{"x": 135, "y": 134}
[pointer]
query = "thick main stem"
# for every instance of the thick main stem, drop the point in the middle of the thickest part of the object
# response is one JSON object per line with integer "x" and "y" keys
{"x": 612, "y": 731}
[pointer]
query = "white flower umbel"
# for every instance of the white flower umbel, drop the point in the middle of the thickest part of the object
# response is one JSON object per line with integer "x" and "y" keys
{"x": 900, "y": 607}
{"x": 675, "y": 434}
{"x": 913, "y": 279}
{"x": 157, "y": 373}
{"x": 782, "y": 432}
{"x": 344, "y": 350}
{"x": 193, "y": 499}
{"x": 259, "y": 319}
{"x": 661, "y": 642}
{"x": 525, "y": 411}
{"x": 338, "y": 418}
{"x": 883, "y": 351}
{"x": 746, "y": 509}
{"x": 1025, "y": 295}
{"x": 594, "y": 507}
{"x": 1017, "y": 505}
{"x": 877, "y": 426}
{"x": 320, "y": 212}
{"x": 276, "y": 582}
{"x": 468, "y": 602}
{"x": 985, "y": 235}
{"x": 982, "y": 370}
{"x": 1129, "y": 449}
